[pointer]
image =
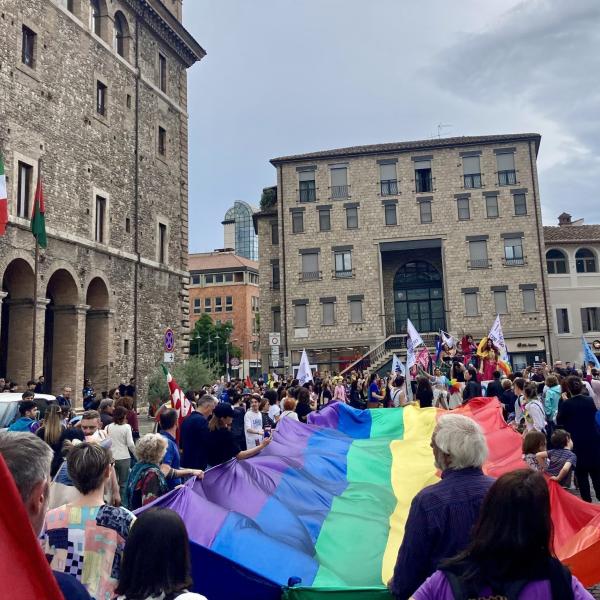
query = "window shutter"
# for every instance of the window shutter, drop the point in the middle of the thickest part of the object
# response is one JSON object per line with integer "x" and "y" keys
{"x": 306, "y": 175}
{"x": 478, "y": 250}
{"x": 471, "y": 165}
{"x": 505, "y": 162}
{"x": 387, "y": 172}
{"x": 310, "y": 263}
{"x": 339, "y": 176}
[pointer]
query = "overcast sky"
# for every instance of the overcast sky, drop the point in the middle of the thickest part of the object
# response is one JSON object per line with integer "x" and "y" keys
{"x": 290, "y": 76}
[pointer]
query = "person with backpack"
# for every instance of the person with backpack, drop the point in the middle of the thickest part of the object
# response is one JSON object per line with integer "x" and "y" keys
{"x": 510, "y": 554}
{"x": 552, "y": 392}
{"x": 533, "y": 409}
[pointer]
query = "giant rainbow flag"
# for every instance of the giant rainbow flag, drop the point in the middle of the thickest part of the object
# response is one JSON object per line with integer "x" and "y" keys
{"x": 324, "y": 506}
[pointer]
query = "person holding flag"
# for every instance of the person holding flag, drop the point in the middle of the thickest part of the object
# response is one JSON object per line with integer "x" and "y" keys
{"x": 589, "y": 358}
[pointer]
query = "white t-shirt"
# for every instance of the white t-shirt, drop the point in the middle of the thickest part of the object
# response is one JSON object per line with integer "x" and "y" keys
{"x": 253, "y": 420}
{"x": 274, "y": 412}
{"x": 289, "y": 414}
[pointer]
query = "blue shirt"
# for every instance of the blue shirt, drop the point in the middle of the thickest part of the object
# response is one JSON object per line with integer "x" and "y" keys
{"x": 24, "y": 424}
{"x": 438, "y": 526}
{"x": 172, "y": 458}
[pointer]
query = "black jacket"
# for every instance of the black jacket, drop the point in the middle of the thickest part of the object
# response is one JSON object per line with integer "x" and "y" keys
{"x": 578, "y": 416}
{"x": 494, "y": 388}
{"x": 472, "y": 390}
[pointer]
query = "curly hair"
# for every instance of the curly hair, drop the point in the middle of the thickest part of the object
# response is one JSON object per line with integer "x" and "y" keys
{"x": 151, "y": 448}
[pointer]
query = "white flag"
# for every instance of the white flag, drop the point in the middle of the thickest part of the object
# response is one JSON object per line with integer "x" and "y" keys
{"x": 497, "y": 338}
{"x": 447, "y": 339}
{"x": 411, "y": 359}
{"x": 413, "y": 334}
{"x": 397, "y": 366}
{"x": 304, "y": 372}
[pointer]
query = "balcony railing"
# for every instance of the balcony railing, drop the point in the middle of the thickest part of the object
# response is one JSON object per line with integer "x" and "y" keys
{"x": 514, "y": 262}
{"x": 339, "y": 191}
{"x": 389, "y": 187}
{"x": 507, "y": 177}
{"x": 308, "y": 195}
{"x": 343, "y": 274}
{"x": 472, "y": 181}
{"x": 310, "y": 275}
{"x": 479, "y": 263}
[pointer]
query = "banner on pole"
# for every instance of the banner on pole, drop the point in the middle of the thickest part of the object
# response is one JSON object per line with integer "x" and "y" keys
{"x": 497, "y": 338}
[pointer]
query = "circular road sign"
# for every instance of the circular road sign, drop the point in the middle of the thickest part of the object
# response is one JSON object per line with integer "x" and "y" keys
{"x": 169, "y": 340}
{"x": 234, "y": 362}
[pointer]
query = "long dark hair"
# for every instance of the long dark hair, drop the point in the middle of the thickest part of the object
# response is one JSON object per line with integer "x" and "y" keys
{"x": 156, "y": 558}
{"x": 512, "y": 539}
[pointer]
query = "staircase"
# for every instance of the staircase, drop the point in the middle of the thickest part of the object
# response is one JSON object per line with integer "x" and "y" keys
{"x": 378, "y": 356}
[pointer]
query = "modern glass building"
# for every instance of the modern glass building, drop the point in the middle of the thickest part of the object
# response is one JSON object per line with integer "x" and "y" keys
{"x": 239, "y": 231}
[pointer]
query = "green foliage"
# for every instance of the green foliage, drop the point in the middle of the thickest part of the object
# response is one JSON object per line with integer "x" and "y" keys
{"x": 211, "y": 340}
{"x": 191, "y": 374}
{"x": 268, "y": 198}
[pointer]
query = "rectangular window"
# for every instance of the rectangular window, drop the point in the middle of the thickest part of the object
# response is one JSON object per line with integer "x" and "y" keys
{"x": 195, "y": 279}
{"x": 325, "y": 220}
{"x": 478, "y": 255}
{"x": 513, "y": 252}
{"x": 300, "y": 315}
{"x": 423, "y": 178}
{"x": 391, "y": 217}
{"x": 128, "y": 101}
{"x": 339, "y": 182}
{"x": 100, "y": 223}
{"x": 276, "y": 316}
{"x": 529, "y": 304}
{"x": 310, "y": 267}
{"x": 274, "y": 234}
{"x": 207, "y": 305}
{"x": 343, "y": 264}
{"x": 162, "y": 243}
{"x": 352, "y": 217}
{"x": 356, "y": 312}
{"x": 162, "y": 72}
{"x": 505, "y": 164}
{"x": 162, "y": 141}
{"x": 218, "y": 304}
{"x": 590, "y": 319}
{"x": 219, "y": 278}
{"x": 25, "y": 174}
{"x": 101, "y": 98}
{"x": 464, "y": 210}
{"x": 389, "y": 181}
{"x": 239, "y": 277}
{"x": 28, "y": 47}
{"x": 471, "y": 304}
{"x": 209, "y": 278}
{"x": 308, "y": 192}
{"x": 197, "y": 306}
{"x": 297, "y": 222}
{"x": 425, "y": 211}
{"x": 228, "y": 303}
{"x": 500, "y": 302}
{"x": 328, "y": 313}
{"x": 491, "y": 207}
{"x": 520, "y": 204}
{"x": 228, "y": 277}
{"x": 472, "y": 172}
{"x": 562, "y": 320}
{"x": 127, "y": 225}
{"x": 275, "y": 275}
{"x": 126, "y": 347}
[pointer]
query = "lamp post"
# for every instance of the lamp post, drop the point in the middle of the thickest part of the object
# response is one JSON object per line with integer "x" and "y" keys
{"x": 208, "y": 342}
{"x": 227, "y": 343}
{"x": 197, "y": 340}
{"x": 217, "y": 338}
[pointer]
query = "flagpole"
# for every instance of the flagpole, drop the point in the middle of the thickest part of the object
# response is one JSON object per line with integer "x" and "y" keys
{"x": 35, "y": 290}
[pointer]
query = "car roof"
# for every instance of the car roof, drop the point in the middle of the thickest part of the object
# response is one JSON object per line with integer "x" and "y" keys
{"x": 6, "y": 397}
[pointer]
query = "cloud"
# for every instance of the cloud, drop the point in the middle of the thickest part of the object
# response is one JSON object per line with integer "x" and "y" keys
{"x": 537, "y": 67}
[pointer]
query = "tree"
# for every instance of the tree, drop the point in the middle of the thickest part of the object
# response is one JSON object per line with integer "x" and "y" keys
{"x": 268, "y": 198}
{"x": 210, "y": 341}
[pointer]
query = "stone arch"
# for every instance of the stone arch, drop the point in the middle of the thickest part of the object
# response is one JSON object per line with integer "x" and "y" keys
{"x": 98, "y": 18}
{"x": 63, "y": 331}
{"x": 122, "y": 36}
{"x": 17, "y": 320}
{"x": 97, "y": 334}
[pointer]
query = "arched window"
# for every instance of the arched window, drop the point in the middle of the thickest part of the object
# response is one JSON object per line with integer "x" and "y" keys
{"x": 95, "y": 18}
{"x": 556, "y": 261}
{"x": 585, "y": 261}
{"x": 121, "y": 32}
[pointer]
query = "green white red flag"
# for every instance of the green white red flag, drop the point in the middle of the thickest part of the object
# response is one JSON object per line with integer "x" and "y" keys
{"x": 3, "y": 199}
{"x": 38, "y": 219}
{"x": 178, "y": 399}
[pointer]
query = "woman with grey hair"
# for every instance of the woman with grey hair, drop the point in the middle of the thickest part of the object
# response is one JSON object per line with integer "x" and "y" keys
{"x": 458, "y": 443}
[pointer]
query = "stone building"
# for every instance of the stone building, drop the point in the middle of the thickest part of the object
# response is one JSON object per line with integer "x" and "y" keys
{"x": 447, "y": 232}
{"x": 225, "y": 286}
{"x": 94, "y": 92}
{"x": 572, "y": 261}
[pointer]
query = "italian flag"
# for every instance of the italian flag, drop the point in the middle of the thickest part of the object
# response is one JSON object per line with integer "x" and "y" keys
{"x": 3, "y": 199}
{"x": 38, "y": 220}
{"x": 178, "y": 399}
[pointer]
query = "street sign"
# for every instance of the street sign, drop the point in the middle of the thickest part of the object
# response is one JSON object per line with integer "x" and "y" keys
{"x": 275, "y": 350}
{"x": 169, "y": 340}
{"x": 169, "y": 357}
{"x": 275, "y": 363}
{"x": 275, "y": 339}
{"x": 234, "y": 362}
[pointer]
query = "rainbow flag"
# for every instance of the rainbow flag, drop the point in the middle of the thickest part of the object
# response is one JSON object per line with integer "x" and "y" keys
{"x": 326, "y": 504}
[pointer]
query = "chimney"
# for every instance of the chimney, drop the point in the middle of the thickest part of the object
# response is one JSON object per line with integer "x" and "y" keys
{"x": 564, "y": 219}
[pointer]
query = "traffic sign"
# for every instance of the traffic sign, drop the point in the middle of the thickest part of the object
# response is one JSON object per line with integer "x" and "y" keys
{"x": 169, "y": 357}
{"x": 275, "y": 339}
{"x": 235, "y": 362}
{"x": 169, "y": 340}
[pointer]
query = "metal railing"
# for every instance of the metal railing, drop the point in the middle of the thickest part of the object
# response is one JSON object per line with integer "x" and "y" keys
{"x": 310, "y": 275}
{"x": 308, "y": 195}
{"x": 339, "y": 191}
{"x": 343, "y": 274}
{"x": 514, "y": 262}
{"x": 389, "y": 187}
{"x": 479, "y": 263}
{"x": 507, "y": 177}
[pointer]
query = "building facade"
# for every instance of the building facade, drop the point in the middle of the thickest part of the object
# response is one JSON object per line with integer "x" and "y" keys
{"x": 446, "y": 232}
{"x": 94, "y": 95}
{"x": 572, "y": 261}
{"x": 226, "y": 287}
{"x": 238, "y": 231}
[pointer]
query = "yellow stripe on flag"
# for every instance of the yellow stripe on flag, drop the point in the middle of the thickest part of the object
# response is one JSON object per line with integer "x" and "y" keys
{"x": 412, "y": 470}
